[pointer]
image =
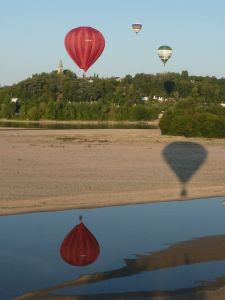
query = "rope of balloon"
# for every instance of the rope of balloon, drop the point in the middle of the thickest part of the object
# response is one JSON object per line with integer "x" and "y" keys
{"x": 85, "y": 45}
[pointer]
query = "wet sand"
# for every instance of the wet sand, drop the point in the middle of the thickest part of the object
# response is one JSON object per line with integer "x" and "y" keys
{"x": 45, "y": 170}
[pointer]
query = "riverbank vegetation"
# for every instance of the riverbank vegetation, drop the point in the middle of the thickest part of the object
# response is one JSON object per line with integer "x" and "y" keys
{"x": 190, "y": 105}
{"x": 194, "y": 118}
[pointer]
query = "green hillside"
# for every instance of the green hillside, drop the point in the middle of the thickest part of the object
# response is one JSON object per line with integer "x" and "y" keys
{"x": 185, "y": 99}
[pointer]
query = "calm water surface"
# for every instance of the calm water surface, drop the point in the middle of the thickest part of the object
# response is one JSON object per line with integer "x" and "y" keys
{"x": 30, "y": 259}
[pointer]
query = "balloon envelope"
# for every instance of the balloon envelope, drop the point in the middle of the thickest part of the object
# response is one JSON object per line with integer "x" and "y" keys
{"x": 80, "y": 247}
{"x": 136, "y": 27}
{"x": 164, "y": 53}
{"x": 84, "y": 45}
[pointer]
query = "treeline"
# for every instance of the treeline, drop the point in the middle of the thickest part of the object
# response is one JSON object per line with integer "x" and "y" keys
{"x": 63, "y": 110}
{"x": 134, "y": 98}
{"x": 66, "y": 97}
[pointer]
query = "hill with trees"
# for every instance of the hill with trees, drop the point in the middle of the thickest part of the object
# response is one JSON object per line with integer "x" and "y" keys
{"x": 185, "y": 100}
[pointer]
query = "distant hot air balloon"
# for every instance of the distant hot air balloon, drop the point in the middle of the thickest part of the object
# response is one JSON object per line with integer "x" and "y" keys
{"x": 80, "y": 247}
{"x": 164, "y": 53}
{"x": 84, "y": 45}
{"x": 136, "y": 27}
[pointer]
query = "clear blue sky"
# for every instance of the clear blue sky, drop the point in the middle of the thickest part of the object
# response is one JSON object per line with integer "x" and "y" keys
{"x": 32, "y": 36}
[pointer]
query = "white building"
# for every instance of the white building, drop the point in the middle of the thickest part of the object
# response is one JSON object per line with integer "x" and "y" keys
{"x": 144, "y": 98}
{"x": 159, "y": 98}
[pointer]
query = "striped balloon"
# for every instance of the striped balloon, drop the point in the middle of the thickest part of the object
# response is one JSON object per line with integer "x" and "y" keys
{"x": 164, "y": 53}
{"x": 84, "y": 45}
{"x": 79, "y": 247}
{"x": 136, "y": 27}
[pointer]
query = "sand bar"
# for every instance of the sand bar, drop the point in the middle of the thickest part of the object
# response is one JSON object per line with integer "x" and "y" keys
{"x": 46, "y": 170}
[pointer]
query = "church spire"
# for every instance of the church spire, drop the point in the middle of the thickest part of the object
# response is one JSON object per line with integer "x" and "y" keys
{"x": 60, "y": 67}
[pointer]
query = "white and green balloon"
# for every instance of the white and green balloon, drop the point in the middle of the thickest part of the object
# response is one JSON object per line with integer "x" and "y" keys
{"x": 164, "y": 53}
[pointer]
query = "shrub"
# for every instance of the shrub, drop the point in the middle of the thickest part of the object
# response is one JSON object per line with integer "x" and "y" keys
{"x": 197, "y": 121}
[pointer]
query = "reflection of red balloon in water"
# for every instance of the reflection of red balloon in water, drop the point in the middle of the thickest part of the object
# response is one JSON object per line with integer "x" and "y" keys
{"x": 84, "y": 45}
{"x": 79, "y": 247}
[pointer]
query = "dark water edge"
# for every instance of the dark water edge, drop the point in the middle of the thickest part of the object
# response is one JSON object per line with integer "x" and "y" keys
{"x": 77, "y": 125}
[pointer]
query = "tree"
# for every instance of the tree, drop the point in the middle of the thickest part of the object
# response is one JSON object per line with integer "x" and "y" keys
{"x": 33, "y": 113}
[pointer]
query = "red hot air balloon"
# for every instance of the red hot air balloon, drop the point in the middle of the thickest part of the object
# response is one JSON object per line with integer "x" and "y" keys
{"x": 80, "y": 247}
{"x": 84, "y": 45}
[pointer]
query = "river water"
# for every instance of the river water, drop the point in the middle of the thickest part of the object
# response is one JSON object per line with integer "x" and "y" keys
{"x": 30, "y": 258}
{"x": 65, "y": 125}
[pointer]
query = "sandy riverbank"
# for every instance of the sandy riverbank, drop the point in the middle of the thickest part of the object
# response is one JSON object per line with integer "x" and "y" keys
{"x": 43, "y": 170}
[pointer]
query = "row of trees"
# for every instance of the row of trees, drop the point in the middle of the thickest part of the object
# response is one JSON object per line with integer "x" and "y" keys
{"x": 55, "y": 110}
{"x": 52, "y": 86}
{"x": 66, "y": 97}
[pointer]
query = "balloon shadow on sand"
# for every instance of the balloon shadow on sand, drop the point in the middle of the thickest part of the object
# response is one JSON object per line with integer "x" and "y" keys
{"x": 184, "y": 158}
